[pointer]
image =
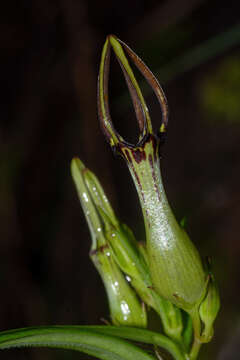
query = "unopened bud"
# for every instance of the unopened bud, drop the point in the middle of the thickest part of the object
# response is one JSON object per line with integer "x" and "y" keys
{"x": 125, "y": 308}
{"x": 209, "y": 308}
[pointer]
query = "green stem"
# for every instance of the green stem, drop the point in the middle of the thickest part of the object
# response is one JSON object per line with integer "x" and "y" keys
{"x": 195, "y": 348}
{"x": 196, "y": 322}
{"x": 196, "y": 345}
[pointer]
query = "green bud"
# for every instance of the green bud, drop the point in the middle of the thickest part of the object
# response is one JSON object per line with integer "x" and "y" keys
{"x": 209, "y": 309}
{"x": 94, "y": 222}
{"x": 125, "y": 308}
{"x": 123, "y": 244}
{"x": 126, "y": 253}
{"x": 175, "y": 266}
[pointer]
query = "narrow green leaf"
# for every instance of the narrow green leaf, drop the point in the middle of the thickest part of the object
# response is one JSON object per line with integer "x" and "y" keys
{"x": 144, "y": 336}
{"x": 78, "y": 338}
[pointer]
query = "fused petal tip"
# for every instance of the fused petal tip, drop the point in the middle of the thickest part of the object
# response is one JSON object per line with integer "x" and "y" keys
{"x": 141, "y": 109}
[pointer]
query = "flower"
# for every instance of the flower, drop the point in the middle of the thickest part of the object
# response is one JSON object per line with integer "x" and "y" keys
{"x": 175, "y": 266}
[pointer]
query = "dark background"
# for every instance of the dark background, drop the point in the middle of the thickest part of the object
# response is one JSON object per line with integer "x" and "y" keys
{"x": 50, "y": 58}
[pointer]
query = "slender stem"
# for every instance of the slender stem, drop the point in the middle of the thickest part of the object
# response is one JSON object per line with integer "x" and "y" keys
{"x": 195, "y": 349}
{"x": 196, "y": 323}
{"x": 196, "y": 345}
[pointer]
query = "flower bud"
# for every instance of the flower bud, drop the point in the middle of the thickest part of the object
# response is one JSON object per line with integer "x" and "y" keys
{"x": 125, "y": 308}
{"x": 209, "y": 309}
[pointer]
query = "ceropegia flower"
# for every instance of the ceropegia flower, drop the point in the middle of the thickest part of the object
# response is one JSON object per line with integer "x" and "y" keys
{"x": 175, "y": 266}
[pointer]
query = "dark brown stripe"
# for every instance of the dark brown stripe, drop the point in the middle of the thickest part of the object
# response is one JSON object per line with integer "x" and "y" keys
{"x": 154, "y": 176}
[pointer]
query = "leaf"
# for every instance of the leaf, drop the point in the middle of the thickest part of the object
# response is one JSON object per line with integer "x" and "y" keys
{"x": 144, "y": 336}
{"x": 79, "y": 338}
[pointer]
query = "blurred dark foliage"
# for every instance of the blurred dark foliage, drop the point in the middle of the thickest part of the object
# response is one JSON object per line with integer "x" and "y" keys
{"x": 50, "y": 57}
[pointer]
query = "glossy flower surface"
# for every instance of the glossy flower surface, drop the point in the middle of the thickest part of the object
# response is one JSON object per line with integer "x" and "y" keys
{"x": 175, "y": 266}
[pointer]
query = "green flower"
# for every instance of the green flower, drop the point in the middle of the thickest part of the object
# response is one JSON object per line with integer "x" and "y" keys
{"x": 175, "y": 266}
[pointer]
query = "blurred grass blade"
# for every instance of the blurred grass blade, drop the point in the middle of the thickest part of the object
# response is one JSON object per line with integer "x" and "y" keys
{"x": 200, "y": 54}
{"x": 86, "y": 340}
{"x": 191, "y": 58}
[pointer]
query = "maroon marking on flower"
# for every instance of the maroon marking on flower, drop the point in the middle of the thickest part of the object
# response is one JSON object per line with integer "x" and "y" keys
{"x": 129, "y": 159}
{"x": 100, "y": 249}
{"x": 139, "y": 155}
{"x": 154, "y": 176}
